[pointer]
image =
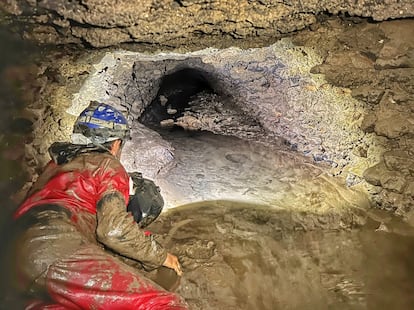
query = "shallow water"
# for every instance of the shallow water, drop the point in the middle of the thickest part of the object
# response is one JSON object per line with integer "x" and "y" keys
{"x": 239, "y": 256}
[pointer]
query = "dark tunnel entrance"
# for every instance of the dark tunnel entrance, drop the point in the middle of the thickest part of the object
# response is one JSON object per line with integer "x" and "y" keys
{"x": 174, "y": 95}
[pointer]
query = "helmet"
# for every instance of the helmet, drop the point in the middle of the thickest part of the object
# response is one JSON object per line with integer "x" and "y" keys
{"x": 99, "y": 123}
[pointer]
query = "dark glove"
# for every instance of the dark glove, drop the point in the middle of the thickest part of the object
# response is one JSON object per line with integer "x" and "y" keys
{"x": 147, "y": 203}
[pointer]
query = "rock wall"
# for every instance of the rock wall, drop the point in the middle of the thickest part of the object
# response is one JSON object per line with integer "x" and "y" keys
{"x": 270, "y": 86}
{"x": 174, "y": 23}
{"x": 340, "y": 93}
{"x": 376, "y": 62}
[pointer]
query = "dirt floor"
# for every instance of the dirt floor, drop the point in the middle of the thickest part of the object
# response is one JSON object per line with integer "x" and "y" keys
{"x": 239, "y": 256}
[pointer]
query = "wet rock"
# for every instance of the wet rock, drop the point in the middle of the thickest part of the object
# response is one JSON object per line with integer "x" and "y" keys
{"x": 167, "y": 122}
{"x": 146, "y": 152}
{"x": 352, "y": 58}
{"x": 380, "y": 175}
{"x": 371, "y": 95}
{"x": 368, "y": 123}
{"x": 394, "y": 181}
{"x": 397, "y": 53}
{"x": 393, "y": 124}
{"x": 400, "y": 161}
{"x": 409, "y": 190}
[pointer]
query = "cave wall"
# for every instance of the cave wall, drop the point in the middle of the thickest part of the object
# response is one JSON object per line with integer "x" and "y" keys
{"x": 375, "y": 61}
{"x": 272, "y": 85}
{"x": 175, "y": 23}
{"x": 340, "y": 92}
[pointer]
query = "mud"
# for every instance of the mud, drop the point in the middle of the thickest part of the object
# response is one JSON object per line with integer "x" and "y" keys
{"x": 240, "y": 256}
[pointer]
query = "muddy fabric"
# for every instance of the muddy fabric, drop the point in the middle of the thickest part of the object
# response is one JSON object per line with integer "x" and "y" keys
{"x": 85, "y": 276}
{"x": 47, "y": 234}
{"x": 118, "y": 230}
{"x": 64, "y": 152}
{"x": 73, "y": 206}
{"x": 92, "y": 279}
{"x": 78, "y": 184}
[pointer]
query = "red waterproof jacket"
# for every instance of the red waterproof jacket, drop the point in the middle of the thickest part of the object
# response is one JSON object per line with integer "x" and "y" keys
{"x": 78, "y": 185}
{"x": 82, "y": 183}
{"x": 78, "y": 274}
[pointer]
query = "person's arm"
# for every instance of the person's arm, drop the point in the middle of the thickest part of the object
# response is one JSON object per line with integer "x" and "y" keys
{"x": 117, "y": 230}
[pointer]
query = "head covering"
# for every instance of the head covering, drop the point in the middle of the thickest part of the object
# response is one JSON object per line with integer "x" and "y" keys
{"x": 99, "y": 123}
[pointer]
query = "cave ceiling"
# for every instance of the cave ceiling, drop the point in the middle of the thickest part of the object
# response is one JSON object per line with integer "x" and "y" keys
{"x": 177, "y": 23}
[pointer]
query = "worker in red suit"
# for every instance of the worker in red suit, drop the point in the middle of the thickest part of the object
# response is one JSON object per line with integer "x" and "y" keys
{"x": 76, "y": 213}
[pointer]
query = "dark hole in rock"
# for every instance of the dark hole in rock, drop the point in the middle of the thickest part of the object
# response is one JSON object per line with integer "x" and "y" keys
{"x": 176, "y": 91}
{"x": 196, "y": 100}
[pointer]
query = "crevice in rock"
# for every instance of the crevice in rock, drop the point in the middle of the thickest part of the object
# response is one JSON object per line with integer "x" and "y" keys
{"x": 174, "y": 95}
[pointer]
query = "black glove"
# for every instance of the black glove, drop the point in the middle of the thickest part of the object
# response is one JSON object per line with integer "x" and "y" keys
{"x": 147, "y": 203}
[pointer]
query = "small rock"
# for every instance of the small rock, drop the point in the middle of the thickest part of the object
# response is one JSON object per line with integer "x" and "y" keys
{"x": 373, "y": 174}
{"x": 393, "y": 181}
{"x": 360, "y": 151}
{"x": 171, "y": 111}
{"x": 380, "y": 175}
{"x": 368, "y": 123}
{"x": 395, "y": 124}
{"x": 382, "y": 227}
{"x": 167, "y": 122}
{"x": 163, "y": 100}
{"x": 409, "y": 190}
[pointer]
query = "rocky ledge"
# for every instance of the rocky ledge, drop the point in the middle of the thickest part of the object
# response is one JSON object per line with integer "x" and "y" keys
{"x": 197, "y": 23}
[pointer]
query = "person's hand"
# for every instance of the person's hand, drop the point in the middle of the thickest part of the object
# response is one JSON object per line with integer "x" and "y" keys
{"x": 172, "y": 262}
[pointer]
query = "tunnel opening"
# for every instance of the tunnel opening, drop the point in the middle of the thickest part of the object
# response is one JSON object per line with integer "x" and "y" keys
{"x": 173, "y": 98}
{"x": 196, "y": 101}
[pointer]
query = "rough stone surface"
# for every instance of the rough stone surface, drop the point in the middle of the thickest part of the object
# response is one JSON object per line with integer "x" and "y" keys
{"x": 174, "y": 23}
{"x": 299, "y": 91}
{"x": 378, "y": 68}
{"x": 271, "y": 88}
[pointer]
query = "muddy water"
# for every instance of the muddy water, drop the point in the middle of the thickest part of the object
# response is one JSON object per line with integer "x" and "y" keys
{"x": 239, "y": 256}
{"x": 277, "y": 233}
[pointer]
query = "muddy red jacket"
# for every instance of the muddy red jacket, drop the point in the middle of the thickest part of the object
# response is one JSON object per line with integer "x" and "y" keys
{"x": 80, "y": 185}
{"x": 76, "y": 205}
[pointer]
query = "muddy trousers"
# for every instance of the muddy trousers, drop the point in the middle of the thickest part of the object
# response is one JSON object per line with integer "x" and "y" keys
{"x": 56, "y": 259}
{"x": 92, "y": 279}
